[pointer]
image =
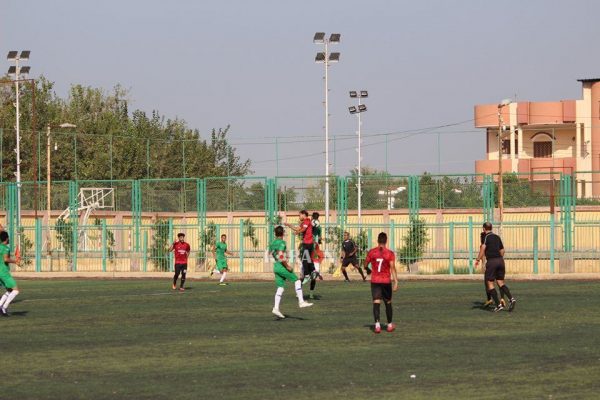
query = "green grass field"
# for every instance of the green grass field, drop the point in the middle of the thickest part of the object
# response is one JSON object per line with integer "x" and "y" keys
{"x": 131, "y": 339}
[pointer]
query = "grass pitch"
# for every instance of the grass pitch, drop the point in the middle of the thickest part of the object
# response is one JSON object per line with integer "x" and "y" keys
{"x": 139, "y": 340}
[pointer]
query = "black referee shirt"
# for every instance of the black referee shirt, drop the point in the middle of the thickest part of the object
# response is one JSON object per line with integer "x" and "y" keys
{"x": 493, "y": 245}
{"x": 348, "y": 246}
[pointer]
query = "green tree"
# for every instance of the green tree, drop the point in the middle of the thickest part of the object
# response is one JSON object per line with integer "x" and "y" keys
{"x": 414, "y": 242}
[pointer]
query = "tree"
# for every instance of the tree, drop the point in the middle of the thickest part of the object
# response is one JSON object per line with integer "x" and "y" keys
{"x": 414, "y": 242}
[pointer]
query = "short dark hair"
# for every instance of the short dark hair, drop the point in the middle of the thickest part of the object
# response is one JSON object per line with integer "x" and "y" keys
{"x": 304, "y": 212}
{"x": 487, "y": 226}
{"x": 3, "y": 236}
{"x": 315, "y": 215}
{"x": 180, "y": 234}
{"x": 223, "y": 235}
{"x": 279, "y": 231}
{"x": 382, "y": 238}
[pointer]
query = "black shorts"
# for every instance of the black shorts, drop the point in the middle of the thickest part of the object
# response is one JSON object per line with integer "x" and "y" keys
{"x": 350, "y": 260}
{"x": 494, "y": 269}
{"x": 180, "y": 268}
{"x": 381, "y": 291}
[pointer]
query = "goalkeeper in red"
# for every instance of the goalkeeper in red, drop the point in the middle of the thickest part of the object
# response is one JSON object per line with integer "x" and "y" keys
{"x": 384, "y": 280}
{"x": 284, "y": 272}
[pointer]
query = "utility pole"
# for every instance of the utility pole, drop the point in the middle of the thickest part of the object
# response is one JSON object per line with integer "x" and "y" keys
{"x": 502, "y": 104}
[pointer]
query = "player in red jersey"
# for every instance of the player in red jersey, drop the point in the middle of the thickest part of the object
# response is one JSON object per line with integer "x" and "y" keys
{"x": 308, "y": 246}
{"x": 182, "y": 251}
{"x": 384, "y": 280}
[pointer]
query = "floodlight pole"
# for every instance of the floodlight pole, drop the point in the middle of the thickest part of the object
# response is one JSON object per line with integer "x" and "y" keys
{"x": 359, "y": 172}
{"x": 326, "y": 64}
{"x": 18, "y": 147}
{"x": 503, "y": 104}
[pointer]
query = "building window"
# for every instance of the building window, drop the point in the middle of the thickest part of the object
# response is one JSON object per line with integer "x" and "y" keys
{"x": 542, "y": 149}
{"x": 506, "y": 146}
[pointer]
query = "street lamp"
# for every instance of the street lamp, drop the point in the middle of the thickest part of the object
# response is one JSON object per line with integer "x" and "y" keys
{"x": 359, "y": 110}
{"x": 501, "y": 105}
{"x": 17, "y": 71}
{"x": 48, "y": 182}
{"x": 326, "y": 58}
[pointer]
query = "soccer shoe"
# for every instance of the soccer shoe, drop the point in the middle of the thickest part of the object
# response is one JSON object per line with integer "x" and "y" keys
{"x": 499, "y": 307}
{"x": 512, "y": 304}
{"x": 305, "y": 304}
{"x": 277, "y": 313}
{"x": 391, "y": 327}
{"x": 182, "y": 289}
{"x": 174, "y": 287}
{"x": 377, "y": 328}
{"x": 311, "y": 296}
{"x": 3, "y": 312}
{"x": 488, "y": 303}
{"x": 223, "y": 284}
{"x": 503, "y": 302}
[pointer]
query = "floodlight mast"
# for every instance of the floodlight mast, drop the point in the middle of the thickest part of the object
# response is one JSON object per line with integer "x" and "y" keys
{"x": 13, "y": 55}
{"x": 359, "y": 110}
{"x": 326, "y": 59}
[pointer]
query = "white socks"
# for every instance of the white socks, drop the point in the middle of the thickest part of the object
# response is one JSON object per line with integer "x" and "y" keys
{"x": 9, "y": 298}
{"x": 223, "y": 276}
{"x": 3, "y": 298}
{"x": 298, "y": 287}
{"x": 278, "y": 295}
{"x": 318, "y": 267}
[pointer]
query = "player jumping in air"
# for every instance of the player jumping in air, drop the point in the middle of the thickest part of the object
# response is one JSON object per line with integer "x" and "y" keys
{"x": 493, "y": 249}
{"x": 182, "y": 252}
{"x": 307, "y": 247}
{"x": 384, "y": 280}
{"x": 284, "y": 272}
{"x": 220, "y": 253}
{"x": 348, "y": 257}
{"x": 6, "y": 278}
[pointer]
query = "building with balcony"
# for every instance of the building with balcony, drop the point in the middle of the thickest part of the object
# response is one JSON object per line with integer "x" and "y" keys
{"x": 540, "y": 140}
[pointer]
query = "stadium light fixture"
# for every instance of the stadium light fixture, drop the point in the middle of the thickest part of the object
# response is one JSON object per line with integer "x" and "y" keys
{"x": 357, "y": 110}
{"x": 18, "y": 71}
{"x": 326, "y": 58}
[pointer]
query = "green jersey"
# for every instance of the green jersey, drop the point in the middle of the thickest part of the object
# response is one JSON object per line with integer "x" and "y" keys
{"x": 278, "y": 250}
{"x": 4, "y": 249}
{"x": 220, "y": 250}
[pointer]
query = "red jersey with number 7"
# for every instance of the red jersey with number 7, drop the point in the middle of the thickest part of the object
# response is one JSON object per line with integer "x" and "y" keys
{"x": 380, "y": 259}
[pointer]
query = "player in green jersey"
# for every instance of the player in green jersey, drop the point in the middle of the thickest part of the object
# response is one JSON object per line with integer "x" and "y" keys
{"x": 6, "y": 278}
{"x": 284, "y": 272}
{"x": 220, "y": 253}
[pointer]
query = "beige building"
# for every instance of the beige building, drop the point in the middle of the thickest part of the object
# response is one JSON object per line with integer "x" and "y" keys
{"x": 540, "y": 140}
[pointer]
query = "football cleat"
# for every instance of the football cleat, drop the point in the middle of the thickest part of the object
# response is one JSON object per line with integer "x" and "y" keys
{"x": 223, "y": 284}
{"x": 499, "y": 307}
{"x": 488, "y": 303}
{"x": 174, "y": 287}
{"x": 311, "y": 296}
{"x": 512, "y": 304}
{"x": 391, "y": 327}
{"x": 3, "y": 312}
{"x": 305, "y": 304}
{"x": 503, "y": 302}
{"x": 377, "y": 328}
{"x": 182, "y": 289}
{"x": 277, "y": 313}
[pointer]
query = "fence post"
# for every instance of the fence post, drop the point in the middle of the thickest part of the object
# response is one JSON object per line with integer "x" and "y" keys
{"x": 552, "y": 242}
{"x": 145, "y": 252}
{"x": 171, "y": 255}
{"x": 471, "y": 245}
{"x": 392, "y": 235}
{"x": 38, "y": 245}
{"x": 451, "y": 248}
{"x": 370, "y": 237}
{"x": 241, "y": 245}
{"x": 413, "y": 196}
{"x": 104, "y": 247}
{"x": 201, "y": 214}
{"x": 535, "y": 250}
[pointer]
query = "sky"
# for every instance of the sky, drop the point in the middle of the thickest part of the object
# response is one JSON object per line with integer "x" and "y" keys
{"x": 250, "y": 64}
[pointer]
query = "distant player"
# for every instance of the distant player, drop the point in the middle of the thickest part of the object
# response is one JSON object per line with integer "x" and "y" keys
{"x": 284, "y": 272}
{"x": 6, "y": 278}
{"x": 348, "y": 257}
{"x": 384, "y": 280}
{"x": 220, "y": 253}
{"x": 316, "y": 227}
{"x": 182, "y": 252}
{"x": 305, "y": 229}
{"x": 493, "y": 250}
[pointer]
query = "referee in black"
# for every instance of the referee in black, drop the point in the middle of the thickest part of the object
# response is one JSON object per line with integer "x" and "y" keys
{"x": 493, "y": 249}
{"x": 348, "y": 257}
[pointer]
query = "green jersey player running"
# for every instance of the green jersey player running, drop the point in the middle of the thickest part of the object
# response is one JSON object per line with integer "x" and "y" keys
{"x": 6, "y": 278}
{"x": 284, "y": 272}
{"x": 220, "y": 252}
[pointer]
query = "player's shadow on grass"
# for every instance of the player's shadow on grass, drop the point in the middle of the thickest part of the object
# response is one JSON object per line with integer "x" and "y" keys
{"x": 316, "y": 297}
{"x": 19, "y": 313}
{"x": 289, "y": 317}
{"x": 479, "y": 305}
